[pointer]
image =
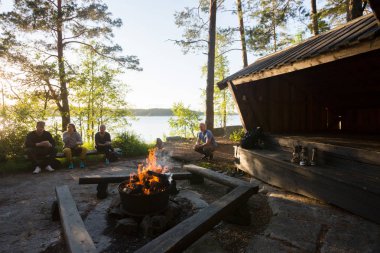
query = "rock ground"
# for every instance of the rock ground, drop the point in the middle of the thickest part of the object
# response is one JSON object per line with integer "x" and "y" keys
{"x": 280, "y": 221}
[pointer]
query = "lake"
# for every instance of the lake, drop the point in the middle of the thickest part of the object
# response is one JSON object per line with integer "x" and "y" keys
{"x": 151, "y": 127}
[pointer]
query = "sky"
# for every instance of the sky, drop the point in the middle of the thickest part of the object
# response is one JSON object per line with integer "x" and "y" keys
{"x": 168, "y": 75}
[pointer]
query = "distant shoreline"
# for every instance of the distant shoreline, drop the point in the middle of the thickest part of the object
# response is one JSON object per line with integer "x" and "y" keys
{"x": 158, "y": 112}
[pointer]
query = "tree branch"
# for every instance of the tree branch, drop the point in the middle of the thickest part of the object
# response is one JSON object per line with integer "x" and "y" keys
{"x": 188, "y": 41}
{"x": 229, "y": 50}
{"x": 93, "y": 49}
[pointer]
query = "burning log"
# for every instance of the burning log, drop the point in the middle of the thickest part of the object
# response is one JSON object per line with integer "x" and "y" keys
{"x": 149, "y": 178}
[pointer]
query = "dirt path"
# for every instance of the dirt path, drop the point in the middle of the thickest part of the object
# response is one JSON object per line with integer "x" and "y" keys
{"x": 25, "y": 205}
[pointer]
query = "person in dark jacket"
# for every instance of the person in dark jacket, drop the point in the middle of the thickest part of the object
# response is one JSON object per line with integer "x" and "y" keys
{"x": 103, "y": 143}
{"x": 40, "y": 148}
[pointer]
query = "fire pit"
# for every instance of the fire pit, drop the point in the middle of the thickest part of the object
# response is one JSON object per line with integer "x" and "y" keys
{"x": 146, "y": 192}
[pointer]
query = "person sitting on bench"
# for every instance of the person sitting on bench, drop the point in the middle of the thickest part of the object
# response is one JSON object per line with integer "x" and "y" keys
{"x": 40, "y": 148}
{"x": 206, "y": 143}
{"x": 72, "y": 146}
{"x": 103, "y": 143}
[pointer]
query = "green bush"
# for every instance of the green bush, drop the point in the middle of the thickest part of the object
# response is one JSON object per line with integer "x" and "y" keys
{"x": 237, "y": 135}
{"x": 131, "y": 144}
{"x": 12, "y": 142}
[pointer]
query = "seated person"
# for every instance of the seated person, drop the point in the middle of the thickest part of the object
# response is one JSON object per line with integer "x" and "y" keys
{"x": 40, "y": 148}
{"x": 72, "y": 141}
{"x": 103, "y": 143}
{"x": 206, "y": 143}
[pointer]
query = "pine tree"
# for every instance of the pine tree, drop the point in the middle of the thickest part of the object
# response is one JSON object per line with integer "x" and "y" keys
{"x": 242, "y": 32}
{"x": 271, "y": 16}
{"x": 45, "y": 32}
{"x": 199, "y": 26}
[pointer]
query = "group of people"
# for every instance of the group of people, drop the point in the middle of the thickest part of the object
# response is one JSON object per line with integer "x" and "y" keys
{"x": 41, "y": 147}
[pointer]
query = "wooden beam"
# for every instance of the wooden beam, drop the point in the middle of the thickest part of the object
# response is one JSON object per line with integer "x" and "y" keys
{"x": 184, "y": 234}
{"x": 97, "y": 179}
{"x": 234, "y": 94}
{"x": 315, "y": 61}
{"x": 77, "y": 238}
{"x": 220, "y": 178}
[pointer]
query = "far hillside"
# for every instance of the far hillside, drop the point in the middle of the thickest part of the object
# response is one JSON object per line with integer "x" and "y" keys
{"x": 155, "y": 112}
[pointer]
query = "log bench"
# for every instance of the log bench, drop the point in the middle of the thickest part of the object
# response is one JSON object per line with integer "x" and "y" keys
{"x": 77, "y": 238}
{"x": 89, "y": 152}
{"x": 103, "y": 180}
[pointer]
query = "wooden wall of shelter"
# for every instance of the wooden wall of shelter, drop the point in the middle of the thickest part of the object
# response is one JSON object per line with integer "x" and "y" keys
{"x": 315, "y": 99}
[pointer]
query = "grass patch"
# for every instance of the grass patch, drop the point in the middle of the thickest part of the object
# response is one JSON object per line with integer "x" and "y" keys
{"x": 215, "y": 165}
{"x": 15, "y": 166}
{"x": 23, "y": 165}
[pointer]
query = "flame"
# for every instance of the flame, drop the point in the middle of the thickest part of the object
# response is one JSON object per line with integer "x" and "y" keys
{"x": 148, "y": 184}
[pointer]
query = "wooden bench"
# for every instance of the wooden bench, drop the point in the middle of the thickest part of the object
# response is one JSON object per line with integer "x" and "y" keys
{"x": 77, "y": 238}
{"x": 103, "y": 180}
{"x": 89, "y": 152}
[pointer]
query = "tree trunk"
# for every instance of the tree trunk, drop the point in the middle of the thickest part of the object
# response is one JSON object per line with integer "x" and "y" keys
{"x": 211, "y": 66}
{"x": 224, "y": 110}
{"x": 274, "y": 26}
{"x": 3, "y": 103}
{"x": 314, "y": 17}
{"x": 242, "y": 33}
{"x": 65, "y": 109}
{"x": 355, "y": 9}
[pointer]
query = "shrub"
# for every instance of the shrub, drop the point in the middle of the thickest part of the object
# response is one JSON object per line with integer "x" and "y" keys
{"x": 131, "y": 144}
{"x": 184, "y": 120}
{"x": 12, "y": 142}
{"x": 237, "y": 135}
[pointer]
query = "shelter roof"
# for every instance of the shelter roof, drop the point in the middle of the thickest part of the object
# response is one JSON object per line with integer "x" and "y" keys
{"x": 345, "y": 36}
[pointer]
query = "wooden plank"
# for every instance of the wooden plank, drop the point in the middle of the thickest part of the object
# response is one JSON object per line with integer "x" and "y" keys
{"x": 312, "y": 182}
{"x": 361, "y": 155}
{"x": 89, "y": 152}
{"x": 97, "y": 179}
{"x": 220, "y": 178}
{"x": 184, "y": 234}
{"x": 77, "y": 238}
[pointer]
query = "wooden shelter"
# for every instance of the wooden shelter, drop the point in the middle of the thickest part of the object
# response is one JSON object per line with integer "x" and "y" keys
{"x": 323, "y": 93}
{"x": 311, "y": 87}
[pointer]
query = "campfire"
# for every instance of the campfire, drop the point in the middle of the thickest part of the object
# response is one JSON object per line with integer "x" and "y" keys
{"x": 150, "y": 178}
{"x": 147, "y": 191}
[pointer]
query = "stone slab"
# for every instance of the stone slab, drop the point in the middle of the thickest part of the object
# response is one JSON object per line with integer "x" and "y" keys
{"x": 194, "y": 197}
{"x": 261, "y": 244}
{"x": 205, "y": 244}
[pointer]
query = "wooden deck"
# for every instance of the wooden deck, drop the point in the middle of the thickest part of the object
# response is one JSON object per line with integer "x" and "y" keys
{"x": 346, "y": 177}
